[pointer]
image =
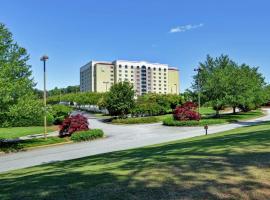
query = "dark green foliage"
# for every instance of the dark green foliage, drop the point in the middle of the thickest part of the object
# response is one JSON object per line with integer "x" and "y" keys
{"x": 18, "y": 105}
{"x": 120, "y": 99}
{"x": 87, "y": 135}
{"x": 156, "y": 104}
{"x": 223, "y": 82}
{"x": 136, "y": 120}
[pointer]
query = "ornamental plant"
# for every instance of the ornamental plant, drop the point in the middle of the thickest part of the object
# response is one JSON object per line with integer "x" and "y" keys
{"x": 186, "y": 112}
{"x": 72, "y": 124}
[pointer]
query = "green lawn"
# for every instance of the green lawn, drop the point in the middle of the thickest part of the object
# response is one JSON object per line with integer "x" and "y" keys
{"x": 207, "y": 111}
{"x": 210, "y": 120}
{"x": 229, "y": 165}
{"x": 15, "y": 132}
{"x": 23, "y": 145}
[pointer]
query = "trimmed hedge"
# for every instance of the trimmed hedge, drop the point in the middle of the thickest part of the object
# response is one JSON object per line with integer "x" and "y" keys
{"x": 136, "y": 120}
{"x": 87, "y": 135}
{"x": 171, "y": 122}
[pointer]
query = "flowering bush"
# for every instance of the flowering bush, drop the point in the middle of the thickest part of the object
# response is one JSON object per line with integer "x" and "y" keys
{"x": 73, "y": 123}
{"x": 185, "y": 112}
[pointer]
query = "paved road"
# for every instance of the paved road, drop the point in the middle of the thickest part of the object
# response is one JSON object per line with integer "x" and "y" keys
{"x": 119, "y": 137}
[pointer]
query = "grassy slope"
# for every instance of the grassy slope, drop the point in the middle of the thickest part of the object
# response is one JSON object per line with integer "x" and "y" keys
{"x": 230, "y": 165}
{"x": 15, "y": 132}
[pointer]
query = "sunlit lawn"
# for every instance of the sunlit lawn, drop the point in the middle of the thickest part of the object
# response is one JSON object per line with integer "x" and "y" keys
{"x": 229, "y": 165}
{"x": 15, "y": 132}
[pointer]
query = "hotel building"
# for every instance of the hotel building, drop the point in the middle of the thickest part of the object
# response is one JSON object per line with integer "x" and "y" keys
{"x": 99, "y": 76}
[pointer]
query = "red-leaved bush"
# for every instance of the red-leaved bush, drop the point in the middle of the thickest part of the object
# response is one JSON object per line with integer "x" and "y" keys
{"x": 72, "y": 124}
{"x": 185, "y": 112}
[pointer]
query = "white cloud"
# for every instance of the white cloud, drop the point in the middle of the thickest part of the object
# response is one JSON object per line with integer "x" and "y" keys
{"x": 185, "y": 28}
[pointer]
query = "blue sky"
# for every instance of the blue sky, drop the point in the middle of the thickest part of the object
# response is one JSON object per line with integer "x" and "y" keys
{"x": 180, "y": 33}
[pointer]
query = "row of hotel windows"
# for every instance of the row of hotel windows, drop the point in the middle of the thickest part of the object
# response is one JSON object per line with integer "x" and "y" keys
{"x": 139, "y": 72}
{"x": 120, "y": 66}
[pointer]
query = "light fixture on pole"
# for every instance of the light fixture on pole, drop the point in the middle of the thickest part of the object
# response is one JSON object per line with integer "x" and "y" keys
{"x": 199, "y": 87}
{"x": 44, "y": 59}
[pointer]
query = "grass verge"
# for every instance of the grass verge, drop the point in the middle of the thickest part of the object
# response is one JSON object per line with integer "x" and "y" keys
{"x": 223, "y": 119}
{"x": 26, "y": 144}
{"x": 15, "y": 132}
{"x": 230, "y": 165}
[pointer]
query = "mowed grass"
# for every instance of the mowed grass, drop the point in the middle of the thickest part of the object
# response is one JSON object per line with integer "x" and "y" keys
{"x": 229, "y": 165}
{"x": 15, "y": 132}
{"x": 210, "y": 120}
{"x": 33, "y": 143}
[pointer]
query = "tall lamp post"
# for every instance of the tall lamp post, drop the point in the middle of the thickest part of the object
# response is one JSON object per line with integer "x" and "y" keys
{"x": 199, "y": 87}
{"x": 44, "y": 59}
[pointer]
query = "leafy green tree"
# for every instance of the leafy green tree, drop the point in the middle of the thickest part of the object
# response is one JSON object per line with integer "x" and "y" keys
{"x": 120, "y": 99}
{"x": 224, "y": 83}
{"x": 15, "y": 75}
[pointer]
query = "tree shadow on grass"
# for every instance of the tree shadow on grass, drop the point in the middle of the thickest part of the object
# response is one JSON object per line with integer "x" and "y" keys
{"x": 232, "y": 166}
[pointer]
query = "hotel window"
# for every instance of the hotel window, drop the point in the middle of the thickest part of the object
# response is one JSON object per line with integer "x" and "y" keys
{"x": 159, "y": 73}
{"x": 164, "y": 77}
{"x": 120, "y": 70}
{"x": 126, "y": 66}
{"x": 120, "y": 66}
{"x": 149, "y": 68}
{"x": 132, "y": 72}
{"x": 159, "y": 88}
{"x": 126, "y": 79}
{"x": 154, "y": 88}
{"x": 126, "y": 71}
{"x": 120, "y": 79}
{"x": 131, "y": 75}
{"x": 138, "y": 67}
{"x": 159, "y": 77}
{"x": 112, "y": 75}
{"x": 126, "y": 75}
{"x": 154, "y": 69}
{"x": 131, "y": 79}
{"x": 165, "y": 70}
{"x": 111, "y": 79}
{"x": 165, "y": 74}
{"x": 120, "y": 74}
{"x": 131, "y": 67}
{"x": 111, "y": 71}
{"x": 159, "y": 69}
{"x": 154, "y": 80}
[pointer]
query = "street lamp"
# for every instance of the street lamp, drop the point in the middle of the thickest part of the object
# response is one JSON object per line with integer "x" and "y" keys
{"x": 199, "y": 87}
{"x": 44, "y": 58}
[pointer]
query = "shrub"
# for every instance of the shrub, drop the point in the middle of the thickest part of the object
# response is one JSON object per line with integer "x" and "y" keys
{"x": 186, "y": 112}
{"x": 87, "y": 135}
{"x": 169, "y": 121}
{"x": 61, "y": 110}
{"x": 136, "y": 120}
{"x": 72, "y": 124}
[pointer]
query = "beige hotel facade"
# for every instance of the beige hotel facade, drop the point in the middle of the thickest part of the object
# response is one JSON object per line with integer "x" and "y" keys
{"x": 146, "y": 77}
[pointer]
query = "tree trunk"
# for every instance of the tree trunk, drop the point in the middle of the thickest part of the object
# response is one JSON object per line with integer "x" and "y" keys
{"x": 217, "y": 113}
{"x": 234, "y": 110}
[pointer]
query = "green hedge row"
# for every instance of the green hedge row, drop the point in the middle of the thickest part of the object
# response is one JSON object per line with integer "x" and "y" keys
{"x": 87, "y": 135}
{"x": 171, "y": 122}
{"x": 136, "y": 120}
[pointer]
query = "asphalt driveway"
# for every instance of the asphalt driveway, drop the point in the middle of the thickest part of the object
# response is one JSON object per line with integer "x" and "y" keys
{"x": 119, "y": 137}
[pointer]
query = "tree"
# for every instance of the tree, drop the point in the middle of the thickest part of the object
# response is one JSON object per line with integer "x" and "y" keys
{"x": 15, "y": 75}
{"x": 225, "y": 83}
{"x": 120, "y": 99}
